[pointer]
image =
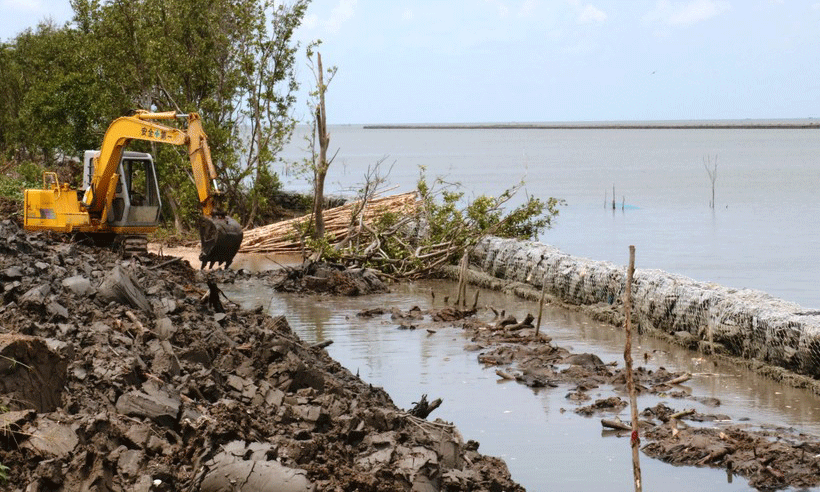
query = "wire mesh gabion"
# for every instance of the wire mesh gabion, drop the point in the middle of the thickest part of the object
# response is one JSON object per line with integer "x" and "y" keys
{"x": 744, "y": 323}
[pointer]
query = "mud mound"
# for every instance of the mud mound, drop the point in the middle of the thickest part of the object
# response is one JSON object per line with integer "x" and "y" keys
{"x": 326, "y": 278}
{"x": 107, "y": 394}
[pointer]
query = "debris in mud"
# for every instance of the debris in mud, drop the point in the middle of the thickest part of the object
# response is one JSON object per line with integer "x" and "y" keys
{"x": 423, "y": 408}
{"x": 326, "y": 278}
{"x": 611, "y": 404}
{"x": 770, "y": 459}
{"x": 104, "y": 393}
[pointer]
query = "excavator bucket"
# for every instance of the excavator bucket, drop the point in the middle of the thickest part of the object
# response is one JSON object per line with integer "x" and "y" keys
{"x": 221, "y": 237}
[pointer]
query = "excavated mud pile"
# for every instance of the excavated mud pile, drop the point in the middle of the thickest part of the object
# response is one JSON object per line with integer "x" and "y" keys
{"x": 117, "y": 376}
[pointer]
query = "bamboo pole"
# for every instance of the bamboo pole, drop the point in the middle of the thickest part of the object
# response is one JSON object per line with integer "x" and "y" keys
{"x": 635, "y": 441}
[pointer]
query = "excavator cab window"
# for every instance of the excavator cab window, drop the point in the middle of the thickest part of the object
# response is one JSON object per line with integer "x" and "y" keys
{"x": 138, "y": 176}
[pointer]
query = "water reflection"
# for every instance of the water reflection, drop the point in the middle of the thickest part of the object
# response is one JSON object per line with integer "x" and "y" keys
{"x": 545, "y": 444}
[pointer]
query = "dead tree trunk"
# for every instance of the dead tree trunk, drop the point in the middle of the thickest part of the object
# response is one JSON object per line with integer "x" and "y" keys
{"x": 320, "y": 168}
{"x": 712, "y": 176}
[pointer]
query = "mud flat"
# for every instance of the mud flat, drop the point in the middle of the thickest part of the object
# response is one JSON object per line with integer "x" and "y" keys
{"x": 738, "y": 325}
{"x": 774, "y": 336}
{"x": 117, "y": 376}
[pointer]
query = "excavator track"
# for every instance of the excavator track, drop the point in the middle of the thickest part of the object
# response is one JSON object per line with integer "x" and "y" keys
{"x": 132, "y": 245}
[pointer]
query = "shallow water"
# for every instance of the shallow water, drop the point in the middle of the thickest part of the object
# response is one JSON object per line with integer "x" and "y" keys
{"x": 545, "y": 444}
{"x": 763, "y": 233}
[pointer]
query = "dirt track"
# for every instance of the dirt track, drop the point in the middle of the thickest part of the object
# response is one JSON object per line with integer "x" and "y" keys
{"x": 117, "y": 377}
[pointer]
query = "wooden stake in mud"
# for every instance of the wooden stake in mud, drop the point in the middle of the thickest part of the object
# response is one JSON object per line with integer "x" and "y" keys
{"x": 461, "y": 298}
{"x": 541, "y": 305}
{"x": 635, "y": 441}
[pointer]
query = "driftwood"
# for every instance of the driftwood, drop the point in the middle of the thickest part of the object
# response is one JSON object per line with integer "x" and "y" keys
{"x": 527, "y": 323}
{"x": 424, "y": 408}
{"x": 623, "y": 426}
{"x": 512, "y": 324}
{"x": 680, "y": 379}
{"x": 616, "y": 424}
{"x": 683, "y": 413}
{"x": 504, "y": 374}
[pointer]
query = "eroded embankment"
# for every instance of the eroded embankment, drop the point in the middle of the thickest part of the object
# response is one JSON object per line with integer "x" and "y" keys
{"x": 771, "y": 334}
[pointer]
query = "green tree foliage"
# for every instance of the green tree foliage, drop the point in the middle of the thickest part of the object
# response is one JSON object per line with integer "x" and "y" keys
{"x": 232, "y": 61}
{"x": 444, "y": 226}
{"x": 46, "y": 100}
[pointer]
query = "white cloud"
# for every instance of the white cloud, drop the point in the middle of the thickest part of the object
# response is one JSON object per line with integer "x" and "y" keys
{"x": 591, "y": 14}
{"x": 340, "y": 14}
{"x": 408, "y": 15}
{"x": 685, "y": 13}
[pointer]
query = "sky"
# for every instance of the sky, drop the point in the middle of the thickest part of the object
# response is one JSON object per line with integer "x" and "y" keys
{"x": 486, "y": 61}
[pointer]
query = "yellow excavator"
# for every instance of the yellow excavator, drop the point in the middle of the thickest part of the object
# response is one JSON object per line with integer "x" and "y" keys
{"x": 119, "y": 202}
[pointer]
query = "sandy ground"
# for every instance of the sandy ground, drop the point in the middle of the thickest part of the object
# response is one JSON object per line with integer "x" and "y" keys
{"x": 243, "y": 261}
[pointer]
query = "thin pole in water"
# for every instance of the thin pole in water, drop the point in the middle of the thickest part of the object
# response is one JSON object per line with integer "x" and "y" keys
{"x": 635, "y": 441}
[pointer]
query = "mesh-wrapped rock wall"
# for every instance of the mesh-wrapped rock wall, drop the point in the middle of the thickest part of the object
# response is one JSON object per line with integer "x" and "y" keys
{"x": 742, "y": 322}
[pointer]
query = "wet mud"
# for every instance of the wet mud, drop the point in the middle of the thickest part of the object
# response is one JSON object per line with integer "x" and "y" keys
{"x": 769, "y": 457}
{"x": 121, "y": 375}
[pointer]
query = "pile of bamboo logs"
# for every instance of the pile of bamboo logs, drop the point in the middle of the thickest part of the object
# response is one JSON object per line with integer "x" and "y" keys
{"x": 340, "y": 222}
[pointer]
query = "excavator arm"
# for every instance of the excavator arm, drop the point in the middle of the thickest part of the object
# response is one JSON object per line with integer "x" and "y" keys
{"x": 220, "y": 235}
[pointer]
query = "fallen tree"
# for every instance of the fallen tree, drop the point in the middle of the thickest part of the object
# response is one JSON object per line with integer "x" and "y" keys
{"x": 408, "y": 235}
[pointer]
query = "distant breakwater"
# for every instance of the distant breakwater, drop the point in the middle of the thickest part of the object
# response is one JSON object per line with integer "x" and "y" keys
{"x": 695, "y": 125}
{"x": 770, "y": 333}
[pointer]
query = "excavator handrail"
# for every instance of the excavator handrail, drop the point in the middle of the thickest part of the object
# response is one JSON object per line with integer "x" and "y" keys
{"x": 55, "y": 180}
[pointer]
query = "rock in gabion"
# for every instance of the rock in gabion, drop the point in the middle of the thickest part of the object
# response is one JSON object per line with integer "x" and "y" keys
{"x": 741, "y": 322}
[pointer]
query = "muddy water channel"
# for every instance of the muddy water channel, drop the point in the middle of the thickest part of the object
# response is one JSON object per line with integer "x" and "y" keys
{"x": 546, "y": 445}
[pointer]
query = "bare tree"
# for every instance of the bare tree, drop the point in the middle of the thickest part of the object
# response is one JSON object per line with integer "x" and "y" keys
{"x": 707, "y": 161}
{"x": 320, "y": 162}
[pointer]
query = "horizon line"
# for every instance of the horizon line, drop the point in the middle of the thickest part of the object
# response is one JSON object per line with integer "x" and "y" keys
{"x": 761, "y": 124}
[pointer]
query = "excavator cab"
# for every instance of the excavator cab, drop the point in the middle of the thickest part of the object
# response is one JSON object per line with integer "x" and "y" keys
{"x": 136, "y": 202}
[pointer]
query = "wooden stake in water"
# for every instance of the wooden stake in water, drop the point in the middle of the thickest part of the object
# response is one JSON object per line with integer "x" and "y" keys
{"x": 461, "y": 297}
{"x": 635, "y": 441}
{"x": 541, "y": 305}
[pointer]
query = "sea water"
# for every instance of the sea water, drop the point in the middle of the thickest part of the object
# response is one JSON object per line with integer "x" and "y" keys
{"x": 762, "y": 233}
